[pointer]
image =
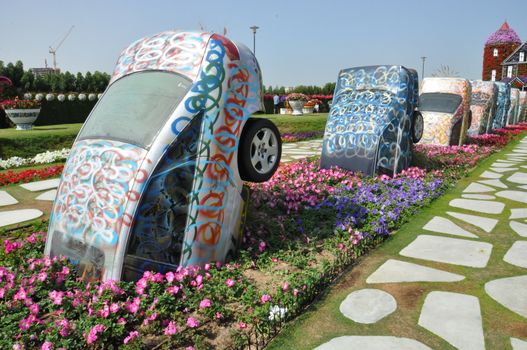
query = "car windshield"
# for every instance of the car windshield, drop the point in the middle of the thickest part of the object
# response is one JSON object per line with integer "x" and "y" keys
{"x": 135, "y": 107}
{"x": 439, "y": 102}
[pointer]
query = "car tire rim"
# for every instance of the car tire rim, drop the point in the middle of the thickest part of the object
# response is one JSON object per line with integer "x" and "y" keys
{"x": 264, "y": 150}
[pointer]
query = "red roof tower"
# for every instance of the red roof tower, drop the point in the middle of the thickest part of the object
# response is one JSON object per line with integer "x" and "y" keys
{"x": 497, "y": 48}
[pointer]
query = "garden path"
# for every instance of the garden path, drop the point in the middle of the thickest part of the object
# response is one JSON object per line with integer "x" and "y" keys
{"x": 14, "y": 211}
{"x": 455, "y": 317}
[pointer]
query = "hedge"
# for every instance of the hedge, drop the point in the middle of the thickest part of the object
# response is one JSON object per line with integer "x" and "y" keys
{"x": 56, "y": 112}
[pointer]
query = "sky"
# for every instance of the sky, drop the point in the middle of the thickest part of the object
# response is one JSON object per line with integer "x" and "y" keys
{"x": 298, "y": 42}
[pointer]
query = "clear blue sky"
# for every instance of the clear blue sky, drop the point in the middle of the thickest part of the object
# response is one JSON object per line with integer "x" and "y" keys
{"x": 299, "y": 42}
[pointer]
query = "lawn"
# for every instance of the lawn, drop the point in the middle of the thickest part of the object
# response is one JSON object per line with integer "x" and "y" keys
{"x": 323, "y": 320}
{"x": 27, "y": 144}
{"x": 297, "y": 124}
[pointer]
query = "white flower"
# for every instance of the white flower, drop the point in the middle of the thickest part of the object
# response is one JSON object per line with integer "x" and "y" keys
{"x": 39, "y": 97}
{"x": 61, "y": 97}
{"x": 277, "y": 313}
{"x": 92, "y": 97}
{"x": 82, "y": 97}
{"x": 99, "y": 96}
{"x": 71, "y": 97}
{"x": 41, "y": 158}
{"x": 50, "y": 97}
{"x": 27, "y": 96}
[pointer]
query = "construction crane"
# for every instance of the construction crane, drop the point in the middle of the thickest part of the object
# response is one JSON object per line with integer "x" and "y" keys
{"x": 53, "y": 51}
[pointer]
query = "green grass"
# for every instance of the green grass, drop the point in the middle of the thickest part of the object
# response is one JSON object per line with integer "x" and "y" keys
{"x": 31, "y": 142}
{"x": 291, "y": 124}
{"x": 323, "y": 320}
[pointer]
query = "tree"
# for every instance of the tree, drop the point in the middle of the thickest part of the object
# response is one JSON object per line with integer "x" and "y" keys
{"x": 27, "y": 80}
{"x": 445, "y": 71}
{"x": 69, "y": 82}
{"x": 79, "y": 82}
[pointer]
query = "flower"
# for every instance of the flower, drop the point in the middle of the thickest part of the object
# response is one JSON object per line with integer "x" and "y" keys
{"x": 192, "y": 322}
{"x": 131, "y": 336}
{"x": 205, "y": 303}
{"x": 47, "y": 346}
{"x": 242, "y": 325}
{"x": 296, "y": 97}
{"x": 277, "y": 313}
{"x": 92, "y": 335}
{"x": 230, "y": 282}
{"x": 265, "y": 298}
{"x": 19, "y": 104}
{"x": 171, "y": 328}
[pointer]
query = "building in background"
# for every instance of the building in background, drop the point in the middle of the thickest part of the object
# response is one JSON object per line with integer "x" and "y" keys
{"x": 505, "y": 58}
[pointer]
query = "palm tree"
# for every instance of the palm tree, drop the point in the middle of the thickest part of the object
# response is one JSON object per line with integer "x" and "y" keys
{"x": 445, "y": 71}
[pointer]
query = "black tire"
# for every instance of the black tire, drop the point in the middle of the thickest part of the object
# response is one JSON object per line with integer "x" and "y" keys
{"x": 417, "y": 126}
{"x": 256, "y": 161}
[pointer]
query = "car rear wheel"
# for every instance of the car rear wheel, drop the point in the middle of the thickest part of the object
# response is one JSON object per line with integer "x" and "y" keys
{"x": 260, "y": 150}
{"x": 417, "y": 127}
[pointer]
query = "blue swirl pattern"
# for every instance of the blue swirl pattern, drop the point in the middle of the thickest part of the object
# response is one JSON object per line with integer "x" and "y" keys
{"x": 369, "y": 124}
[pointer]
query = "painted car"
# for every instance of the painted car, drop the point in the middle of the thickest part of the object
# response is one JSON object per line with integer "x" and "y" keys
{"x": 373, "y": 120}
{"x": 503, "y": 104}
{"x": 445, "y": 105}
{"x": 512, "y": 117}
{"x": 523, "y": 106}
{"x": 482, "y": 106}
{"x": 155, "y": 177}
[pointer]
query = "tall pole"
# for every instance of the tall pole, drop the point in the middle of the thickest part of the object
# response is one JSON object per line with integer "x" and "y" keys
{"x": 254, "y": 28}
{"x": 423, "y": 69}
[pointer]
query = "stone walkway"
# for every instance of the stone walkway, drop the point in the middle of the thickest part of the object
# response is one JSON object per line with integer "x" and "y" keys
{"x": 453, "y": 316}
{"x": 46, "y": 190}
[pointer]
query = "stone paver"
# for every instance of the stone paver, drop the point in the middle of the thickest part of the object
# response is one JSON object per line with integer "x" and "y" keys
{"x": 490, "y": 175}
{"x": 41, "y": 185}
{"x": 397, "y": 271}
{"x": 12, "y": 217}
{"x": 356, "y": 342}
{"x": 518, "y": 213}
{"x": 300, "y": 150}
{"x": 518, "y": 344}
{"x": 449, "y": 250}
{"x": 502, "y": 170}
{"x": 454, "y": 317}
{"x": 518, "y": 196}
{"x": 517, "y": 254}
{"x": 519, "y": 178}
{"x": 442, "y": 225}
{"x": 368, "y": 305}
{"x": 501, "y": 165}
{"x": 48, "y": 196}
{"x": 7, "y": 199}
{"x": 478, "y": 196}
{"x": 486, "y": 207}
{"x": 519, "y": 228}
{"x": 494, "y": 182}
{"x": 486, "y": 224}
{"x": 510, "y": 292}
{"x": 478, "y": 188}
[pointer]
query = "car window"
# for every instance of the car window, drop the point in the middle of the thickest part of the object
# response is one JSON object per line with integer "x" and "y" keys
{"x": 439, "y": 102}
{"x": 156, "y": 238}
{"x": 135, "y": 107}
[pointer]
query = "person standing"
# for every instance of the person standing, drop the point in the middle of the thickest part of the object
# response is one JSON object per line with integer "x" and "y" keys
{"x": 276, "y": 101}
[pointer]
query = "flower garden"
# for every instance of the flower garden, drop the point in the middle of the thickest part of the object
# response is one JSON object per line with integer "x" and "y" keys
{"x": 304, "y": 227}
